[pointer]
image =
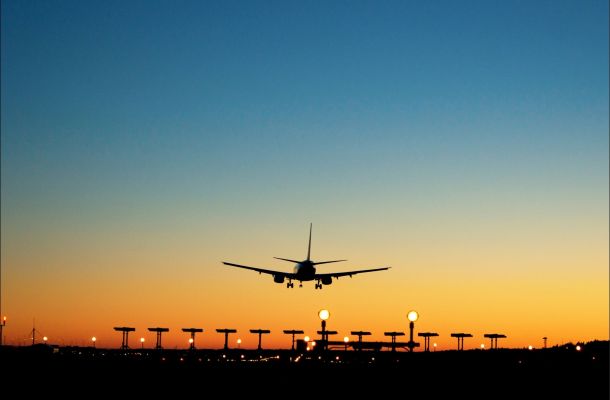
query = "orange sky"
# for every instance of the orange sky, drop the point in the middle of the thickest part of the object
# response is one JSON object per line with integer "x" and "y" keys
{"x": 453, "y": 291}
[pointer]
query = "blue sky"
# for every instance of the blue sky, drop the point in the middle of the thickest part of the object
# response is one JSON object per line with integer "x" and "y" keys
{"x": 285, "y": 101}
{"x": 178, "y": 124}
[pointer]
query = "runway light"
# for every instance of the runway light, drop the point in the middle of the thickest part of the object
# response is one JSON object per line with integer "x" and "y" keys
{"x": 142, "y": 340}
{"x": 306, "y": 339}
{"x": 346, "y": 339}
{"x": 578, "y": 348}
{"x": 93, "y": 339}
{"x": 412, "y": 316}
{"x": 44, "y": 339}
{"x": 434, "y": 345}
{"x": 191, "y": 340}
{"x": 482, "y": 346}
{"x": 324, "y": 314}
{"x": 313, "y": 344}
{"x": 530, "y": 347}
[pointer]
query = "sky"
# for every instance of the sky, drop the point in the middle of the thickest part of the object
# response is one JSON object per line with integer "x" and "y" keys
{"x": 463, "y": 144}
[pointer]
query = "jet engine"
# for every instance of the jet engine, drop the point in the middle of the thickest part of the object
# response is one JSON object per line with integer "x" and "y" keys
{"x": 327, "y": 280}
{"x": 278, "y": 278}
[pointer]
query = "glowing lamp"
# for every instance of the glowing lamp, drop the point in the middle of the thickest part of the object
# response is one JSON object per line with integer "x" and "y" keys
{"x": 324, "y": 314}
{"x": 346, "y": 339}
{"x": 306, "y": 339}
{"x": 412, "y": 316}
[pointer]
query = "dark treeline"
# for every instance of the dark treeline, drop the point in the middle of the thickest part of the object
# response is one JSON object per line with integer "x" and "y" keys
{"x": 557, "y": 371}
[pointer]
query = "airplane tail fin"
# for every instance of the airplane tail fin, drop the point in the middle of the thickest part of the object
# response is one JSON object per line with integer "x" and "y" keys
{"x": 309, "y": 247}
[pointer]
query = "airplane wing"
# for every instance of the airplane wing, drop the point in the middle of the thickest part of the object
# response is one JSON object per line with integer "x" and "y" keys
{"x": 263, "y": 271}
{"x": 348, "y": 273}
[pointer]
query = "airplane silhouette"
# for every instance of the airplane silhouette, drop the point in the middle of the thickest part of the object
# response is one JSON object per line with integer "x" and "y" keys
{"x": 305, "y": 270}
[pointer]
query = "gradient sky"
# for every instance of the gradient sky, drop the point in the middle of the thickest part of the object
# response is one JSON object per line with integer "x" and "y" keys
{"x": 464, "y": 144}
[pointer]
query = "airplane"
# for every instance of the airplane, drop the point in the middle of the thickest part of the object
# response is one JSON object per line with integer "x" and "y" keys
{"x": 305, "y": 270}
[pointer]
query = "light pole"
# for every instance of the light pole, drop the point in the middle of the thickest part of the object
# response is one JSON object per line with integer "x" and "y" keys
{"x": 1, "y": 327}
{"x": 346, "y": 341}
{"x": 93, "y": 339}
{"x": 324, "y": 315}
{"x": 142, "y": 340}
{"x": 238, "y": 343}
{"x": 412, "y": 316}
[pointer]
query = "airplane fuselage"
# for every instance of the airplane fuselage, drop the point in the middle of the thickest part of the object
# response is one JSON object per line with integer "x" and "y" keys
{"x": 305, "y": 271}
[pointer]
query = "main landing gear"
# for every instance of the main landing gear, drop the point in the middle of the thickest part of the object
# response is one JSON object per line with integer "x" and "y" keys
{"x": 290, "y": 285}
{"x": 318, "y": 285}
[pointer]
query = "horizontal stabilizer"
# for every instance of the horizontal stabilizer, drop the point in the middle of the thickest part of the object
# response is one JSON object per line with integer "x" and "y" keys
{"x": 286, "y": 259}
{"x": 327, "y": 262}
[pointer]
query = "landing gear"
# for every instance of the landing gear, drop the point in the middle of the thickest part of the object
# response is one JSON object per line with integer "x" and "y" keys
{"x": 290, "y": 285}
{"x": 318, "y": 285}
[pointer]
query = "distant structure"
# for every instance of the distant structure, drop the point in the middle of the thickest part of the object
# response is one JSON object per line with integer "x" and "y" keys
{"x": 293, "y": 332}
{"x": 192, "y": 331}
{"x": 360, "y": 334}
{"x": 544, "y": 338}
{"x": 226, "y": 331}
{"x": 494, "y": 339}
{"x": 260, "y": 333}
{"x": 125, "y": 331}
{"x": 427, "y": 336}
{"x": 460, "y": 338}
{"x": 324, "y": 334}
{"x": 159, "y": 331}
{"x": 393, "y": 335}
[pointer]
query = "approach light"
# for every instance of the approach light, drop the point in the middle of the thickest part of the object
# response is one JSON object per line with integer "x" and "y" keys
{"x": 142, "y": 340}
{"x": 93, "y": 339}
{"x": 412, "y": 316}
{"x": 346, "y": 339}
{"x": 306, "y": 339}
{"x": 578, "y": 348}
{"x": 482, "y": 346}
{"x": 530, "y": 347}
{"x": 44, "y": 339}
{"x": 324, "y": 314}
{"x": 191, "y": 340}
